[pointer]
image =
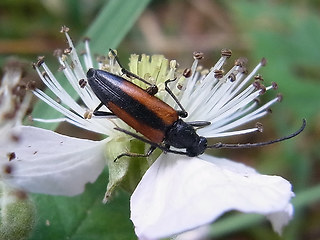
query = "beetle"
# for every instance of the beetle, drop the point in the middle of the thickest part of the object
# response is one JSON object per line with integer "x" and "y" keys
{"x": 160, "y": 124}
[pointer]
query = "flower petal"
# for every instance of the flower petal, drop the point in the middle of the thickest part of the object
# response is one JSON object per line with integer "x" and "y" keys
{"x": 281, "y": 219}
{"x": 51, "y": 163}
{"x": 178, "y": 194}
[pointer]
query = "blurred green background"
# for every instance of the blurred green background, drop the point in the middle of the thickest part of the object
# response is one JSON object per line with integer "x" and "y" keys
{"x": 287, "y": 33}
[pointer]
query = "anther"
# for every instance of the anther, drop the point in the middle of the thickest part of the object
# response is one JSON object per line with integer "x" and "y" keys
{"x": 7, "y": 169}
{"x": 280, "y": 97}
{"x": 64, "y": 29}
{"x": 19, "y": 90}
{"x": 241, "y": 62}
{"x": 262, "y": 89}
{"x": 244, "y": 70}
{"x": 67, "y": 50}
{"x": 40, "y": 61}
{"x": 259, "y": 127}
{"x": 274, "y": 85}
{"x": 31, "y": 85}
{"x": 263, "y": 62}
{"x": 173, "y": 64}
{"x": 218, "y": 73}
{"x": 87, "y": 114}
{"x": 61, "y": 68}
{"x": 44, "y": 74}
{"x": 187, "y": 73}
{"x": 256, "y": 84}
{"x": 86, "y": 39}
{"x": 11, "y": 156}
{"x": 82, "y": 83}
{"x": 57, "y": 53}
{"x": 232, "y": 77}
{"x": 269, "y": 110}
{"x": 226, "y": 53}
{"x": 198, "y": 55}
{"x": 259, "y": 77}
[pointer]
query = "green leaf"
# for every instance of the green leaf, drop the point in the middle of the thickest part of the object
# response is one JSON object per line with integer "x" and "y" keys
{"x": 108, "y": 29}
{"x": 85, "y": 216}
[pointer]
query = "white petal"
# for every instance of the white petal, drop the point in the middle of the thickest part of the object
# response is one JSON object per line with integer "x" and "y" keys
{"x": 180, "y": 193}
{"x": 281, "y": 219}
{"x": 51, "y": 163}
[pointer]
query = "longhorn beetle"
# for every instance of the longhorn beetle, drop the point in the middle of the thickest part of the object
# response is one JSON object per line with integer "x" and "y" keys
{"x": 160, "y": 124}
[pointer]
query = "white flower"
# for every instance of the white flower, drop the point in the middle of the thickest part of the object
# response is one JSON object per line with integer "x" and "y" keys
{"x": 177, "y": 193}
{"x": 14, "y": 102}
{"x": 16, "y": 211}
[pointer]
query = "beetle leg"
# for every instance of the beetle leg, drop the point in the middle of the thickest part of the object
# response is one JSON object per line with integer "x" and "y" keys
{"x": 98, "y": 113}
{"x": 152, "y": 90}
{"x": 165, "y": 148}
{"x": 139, "y": 138}
{"x": 129, "y": 154}
{"x": 182, "y": 113}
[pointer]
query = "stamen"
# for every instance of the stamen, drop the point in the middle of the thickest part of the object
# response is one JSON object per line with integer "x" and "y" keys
{"x": 263, "y": 62}
{"x": 241, "y": 62}
{"x": 218, "y": 73}
{"x": 198, "y": 55}
{"x": 87, "y": 114}
{"x": 40, "y": 61}
{"x": 232, "y": 77}
{"x": 226, "y": 53}
{"x": 82, "y": 83}
{"x": 187, "y": 73}
{"x": 233, "y": 133}
{"x": 280, "y": 97}
{"x": 67, "y": 51}
{"x": 274, "y": 85}
{"x": 259, "y": 78}
{"x": 64, "y": 29}
{"x": 57, "y": 53}
{"x": 259, "y": 126}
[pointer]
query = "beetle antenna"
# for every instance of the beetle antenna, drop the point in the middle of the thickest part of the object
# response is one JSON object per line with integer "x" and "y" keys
{"x": 182, "y": 113}
{"x": 260, "y": 144}
{"x": 163, "y": 148}
{"x": 127, "y": 72}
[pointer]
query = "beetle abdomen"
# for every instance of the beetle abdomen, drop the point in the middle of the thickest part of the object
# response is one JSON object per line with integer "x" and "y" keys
{"x": 145, "y": 113}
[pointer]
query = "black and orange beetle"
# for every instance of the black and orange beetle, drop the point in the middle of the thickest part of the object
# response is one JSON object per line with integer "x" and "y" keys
{"x": 159, "y": 123}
